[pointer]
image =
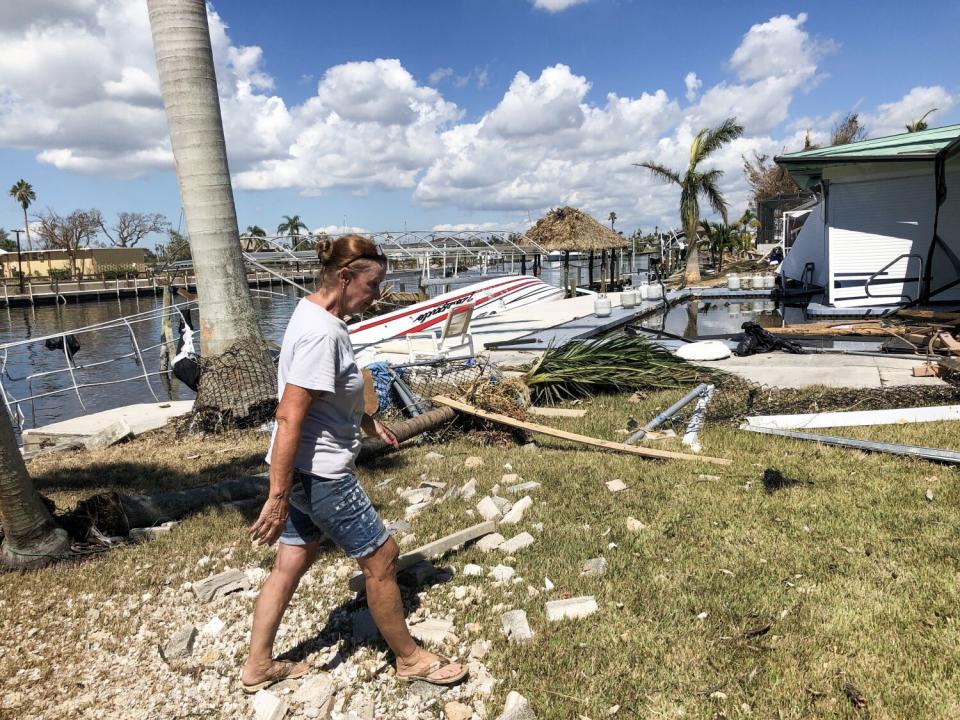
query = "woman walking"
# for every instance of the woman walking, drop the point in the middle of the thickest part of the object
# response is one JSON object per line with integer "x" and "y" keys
{"x": 313, "y": 485}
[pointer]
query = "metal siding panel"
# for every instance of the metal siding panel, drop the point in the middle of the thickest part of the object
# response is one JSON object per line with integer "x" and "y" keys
{"x": 871, "y": 223}
{"x": 949, "y": 230}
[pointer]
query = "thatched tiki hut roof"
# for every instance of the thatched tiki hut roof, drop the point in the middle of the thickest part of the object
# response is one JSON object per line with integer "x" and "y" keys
{"x": 567, "y": 228}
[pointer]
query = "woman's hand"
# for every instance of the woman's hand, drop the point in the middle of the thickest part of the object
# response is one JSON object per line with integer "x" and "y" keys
{"x": 385, "y": 434}
{"x": 273, "y": 519}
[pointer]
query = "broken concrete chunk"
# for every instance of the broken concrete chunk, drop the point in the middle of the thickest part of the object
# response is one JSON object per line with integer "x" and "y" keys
{"x": 616, "y": 485}
{"x": 490, "y": 542}
{"x": 516, "y": 707}
{"x": 634, "y": 525}
{"x": 267, "y": 706}
{"x": 503, "y": 505}
{"x": 457, "y": 711}
{"x": 315, "y": 689}
{"x": 510, "y": 478}
{"x": 220, "y": 585}
{"x": 516, "y": 627}
{"x": 111, "y": 434}
{"x": 471, "y": 570}
{"x": 523, "y": 487}
{"x": 213, "y": 627}
{"x": 469, "y": 489}
{"x": 708, "y": 478}
{"x": 488, "y": 509}
{"x": 434, "y": 630}
{"x": 571, "y": 608}
{"x": 398, "y": 527}
{"x": 516, "y": 543}
{"x": 417, "y": 495}
{"x": 502, "y": 573}
{"x": 180, "y": 645}
{"x": 433, "y": 457}
{"x": 479, "y": 649}
{"x": 413, "y": 510}
{"x": 594, "y": 567}
{"x": 515, "y": 514}
{"x": 472, "y": 462}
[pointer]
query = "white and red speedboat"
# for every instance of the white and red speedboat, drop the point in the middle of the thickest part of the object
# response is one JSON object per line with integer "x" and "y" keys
{"x": 489, "y": 297}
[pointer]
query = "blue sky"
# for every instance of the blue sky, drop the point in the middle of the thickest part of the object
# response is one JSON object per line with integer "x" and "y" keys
{"x": 376, "y": 115}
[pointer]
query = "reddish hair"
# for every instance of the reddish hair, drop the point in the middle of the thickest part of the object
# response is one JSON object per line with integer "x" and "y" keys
{"x": 355, "y": 251}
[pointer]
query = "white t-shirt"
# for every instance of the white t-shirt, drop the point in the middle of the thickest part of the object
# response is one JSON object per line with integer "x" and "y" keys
{"x": 316, "y": 354}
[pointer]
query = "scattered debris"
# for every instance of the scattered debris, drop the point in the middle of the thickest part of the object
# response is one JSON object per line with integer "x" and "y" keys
{"x": 491, "y": 542}
{"x": 523, "y": 487}
{"x": 471, "y": 570}
{"x": 488, "y": 509}
{"x": 213, "y": 627}
{"x": 473, "y": 462}
{"x": 434, "y": 549}
{"x": 267, "y": 706}
{"x": 433, "y": 630}
{"x": 110, "y": 435}
{"x": 516, "y": 627}
{"x": 469, "y": 489}
{"x": 552, "y": 432}
{"x": 457, "y": 711}
{"x": 616, "y": 486}
{"x": 571, "y": 608}
{"x": 515, "y": 514}
{"x": 557, "y": 412}
{"x": 929, "y": 495}
{"x": 502, "y": 573}
{"x": 433, "y": 457}
{"x": 516, "y": 707}
{"x": 854, "y": 695}
{"x": 634, "y": 525}
{"x": 708, "y": 478}
{"x": 594, "y": 567}
{"x": 180, "y": 645}
{"x": 548, "y": 584}
{"x": 516, "y": 543}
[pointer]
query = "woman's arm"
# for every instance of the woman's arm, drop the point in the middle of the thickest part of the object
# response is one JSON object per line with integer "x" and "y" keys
{"x": 291, "y": 411}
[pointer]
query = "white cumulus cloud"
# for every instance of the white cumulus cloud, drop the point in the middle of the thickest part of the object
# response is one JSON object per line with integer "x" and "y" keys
{"x": 693, "y": 85}
{"x": 555, "y": 6}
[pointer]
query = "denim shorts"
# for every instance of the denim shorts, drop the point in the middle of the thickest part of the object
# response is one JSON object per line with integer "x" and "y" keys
{"x": 338, "y": 508}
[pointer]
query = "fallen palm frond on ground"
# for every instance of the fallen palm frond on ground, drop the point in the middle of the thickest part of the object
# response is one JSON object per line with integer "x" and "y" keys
{"x": 615, "y": 363}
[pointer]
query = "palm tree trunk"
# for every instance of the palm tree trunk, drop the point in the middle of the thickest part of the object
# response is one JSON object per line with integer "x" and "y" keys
{"x": 188, "y": 84}
{"x": 31, "y": 536}
{"x": 26, "y": 229}
{"x": 691, "y": 272}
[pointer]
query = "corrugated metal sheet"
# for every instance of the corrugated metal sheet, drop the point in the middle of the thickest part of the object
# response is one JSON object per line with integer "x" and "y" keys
{"x": 925, "y": 142}
{"x": 871, "y": 223}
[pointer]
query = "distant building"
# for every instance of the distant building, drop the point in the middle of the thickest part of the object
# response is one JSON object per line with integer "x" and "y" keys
{"x": 90, "y": 261}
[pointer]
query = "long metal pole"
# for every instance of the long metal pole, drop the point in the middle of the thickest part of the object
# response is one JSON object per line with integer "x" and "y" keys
{"x": 19, "y": 261}
{"x": 935, "y": 454}
{"x": 668, "y": 413}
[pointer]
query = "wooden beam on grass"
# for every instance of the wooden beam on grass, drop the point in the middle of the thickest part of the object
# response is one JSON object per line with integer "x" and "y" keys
{"x": 563, "y": 435}
{"x": 557, "y": 412}
{"x": 433, "y": 549}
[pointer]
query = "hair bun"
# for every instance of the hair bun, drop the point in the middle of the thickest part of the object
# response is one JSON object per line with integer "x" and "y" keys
{"x": 324, "y": 249}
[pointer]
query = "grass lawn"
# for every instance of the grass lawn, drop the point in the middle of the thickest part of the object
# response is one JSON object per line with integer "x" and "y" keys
{"x": 732, "y": 602}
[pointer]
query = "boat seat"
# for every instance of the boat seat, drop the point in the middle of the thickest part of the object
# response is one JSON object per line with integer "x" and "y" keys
{"x": 445, "y": 341}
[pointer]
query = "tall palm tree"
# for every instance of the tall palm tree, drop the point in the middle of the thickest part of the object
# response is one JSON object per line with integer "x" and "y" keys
{"x": 612, "y": 217}
{"x": 694, "y": 183}
{"x": 31, "y": 535}
{"x": 188, "y": 85}
{"x": 291, "y": 225}
{"x": 921, "y": 124}
{"x": 24, "y": 194}
{"x": 255, "y": 231}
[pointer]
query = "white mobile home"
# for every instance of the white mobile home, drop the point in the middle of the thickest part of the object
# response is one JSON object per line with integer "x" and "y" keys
{"x": 886, "y": 230}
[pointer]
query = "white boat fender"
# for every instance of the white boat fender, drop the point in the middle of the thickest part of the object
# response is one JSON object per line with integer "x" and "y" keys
{"x": 704, "y": 350}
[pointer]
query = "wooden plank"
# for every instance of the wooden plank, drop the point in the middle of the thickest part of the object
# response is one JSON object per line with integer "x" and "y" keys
{"x": 557, "y": 412}
{"x": 563, "y": 435}
{"x": 433, "y": 549}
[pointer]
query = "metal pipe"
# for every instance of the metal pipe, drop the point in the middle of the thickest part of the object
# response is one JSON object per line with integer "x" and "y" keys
{"x": 934, "y": 454}
{"x": 668, "y": 413}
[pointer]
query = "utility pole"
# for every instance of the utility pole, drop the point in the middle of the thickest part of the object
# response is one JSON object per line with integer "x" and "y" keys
{"x": 19, "y": 260}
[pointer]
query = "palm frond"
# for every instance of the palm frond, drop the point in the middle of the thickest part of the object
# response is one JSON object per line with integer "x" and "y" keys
{"x": 615, "y": 363}
{"x": 717, "y": 137}
{"x": 661, "y": 172}
{"x": 715, "y": 198}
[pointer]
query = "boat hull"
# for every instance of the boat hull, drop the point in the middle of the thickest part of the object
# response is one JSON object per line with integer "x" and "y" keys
{"x": 489, "y": 297}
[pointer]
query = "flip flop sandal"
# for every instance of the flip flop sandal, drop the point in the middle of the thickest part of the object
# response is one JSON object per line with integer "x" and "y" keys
{"x": 424, "y": 675}
{"x": 286, "y": 672}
